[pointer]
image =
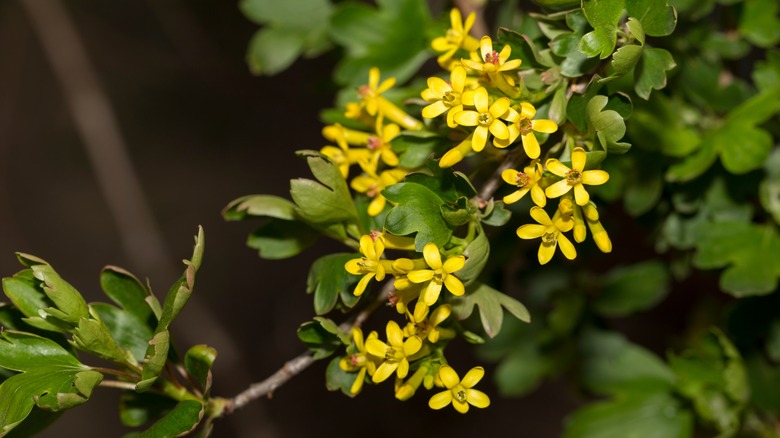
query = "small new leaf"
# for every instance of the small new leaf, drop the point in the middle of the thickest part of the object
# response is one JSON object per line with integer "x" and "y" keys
{"x": 490, "y": 303}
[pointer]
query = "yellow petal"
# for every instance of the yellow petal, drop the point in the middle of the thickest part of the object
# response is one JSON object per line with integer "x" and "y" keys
{"x": 581, "y": 196}
{"x": 384, "y": 371}
{"x": 434, "y": 110}
{"x": 544, "y": 126}
{"x": 503, "y": 55}
{"x": 456, "y": 20}
{"x": 385, "y": 85}
{"x": 420, "y": 276}
{"x": 499, "y": 107}
{"x": 403, "y": 368}
{"x": 546, "y": 251}
{"x": 375, "y": 347}
{"x": 479, "y": 138}
{"x": 558, "y": 189}
{"x": 440, "y": 400}
{"x": 357, "y": 337}
{"x": 448, "y": 376}
{"x": 440, "y": 44}
{"x": 432, "y": 255}
{"x": 485, "y": 46}
{"x": 567, "y": 248}
{"x": 358, "y": 384}
{"x": 531, "y": 231}
{"x": 477, "y": 66}
{"x": 420, "y": 311}
{"x": 510, "y": 65}
{"x": 531, "y": 145}
{"x": 377, "y": 205}
{"x": 515, "y": 196}
{"x": 353, "y": 266}
{"x": 461, "y": 407}
{"x": 527, "y": 111}
{"x": 594, "y": 177}
{"x": 578, "y": 158}
{"x": 431, "y": 293}
{"x": 439, "y": 86}
{"x": 395, "y": 336}
{"x": 541, "y": 216}
{"x": 440, "y": 314}
{"x": 373, "y": 78}
{"x": 537, "y": 194}
{"x": 454, "y": 285}
{"x": 473, "y": 377}
{"x": 499, "y": 130}
{"x": 454, "y": 263}
{"x": 600, "y": 236}
{"x": 510, "y": 176}
{"x": 476, "y": 398}
{"x": 412, "y": 345}
{"x": 467, "y": 118}
{"x": 469, "y": 22}
{"x": 481, "y": 100}
{"x": 458, "y": 79}
{"x": 362, "y": 284}
{"x": 556, "y": 167}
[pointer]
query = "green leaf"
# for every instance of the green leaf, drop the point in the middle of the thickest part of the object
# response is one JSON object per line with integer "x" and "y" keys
{"x": 750, "y": 252}
{"x": 92, "y": 335}
{"x": 613, "y": 365}
{"x": 496, "y": 214}
{"x": 337, "y": 379}
{"x": 154, "y": 359}
{"x": 414, "y": 151}
{"x": 476, "y": 253}
{"x": 69, "y": 305}
{"x": 27, "y": 295}
{"x": 604, "y": 16}
{"x": 625, "y": 58}
{"x": 632, "y": 288}
{"x": 756, "y": 110}
{"x": 328, "y": 279}
{"x": 127, "y": 291}
{"x": 643, "y": 193}
{"x": 302, "y": 15}
{"x": 181, "y": 420}
{"x": 608, "y": 124}
{"x": 198, "y": 361}
{"x": 260, "y": 205}
{"x": 50, "y": 377}
{"x": 139, "y": 408}
{"x": 327, "y": 201}
{"x": 766, "y": 74}
{"x": 490, "y": 303}
{"x": 742, "y": 148}
{"x": 693, "y": 165}
{"x": 759, "y": 22}
{"x": 657, "y": 17}
{"x": 645, "y": 415}
{"x": 574, "y": 63}
{"x": 322, "y": 336}
{"x": 417, "y": 209}
{"x": 712, "y": 376}
{"x": 657, "y": 125}
{"x": 271, "y": 50}
{"x": 524, "y": 48}
{"x": 769, "y": 190}
{"x": 650, "y": 72}
{"x": 522, "y": 371}
{"x": 281, "y": 239}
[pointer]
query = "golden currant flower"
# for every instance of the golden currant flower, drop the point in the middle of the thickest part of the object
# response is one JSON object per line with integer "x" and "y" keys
{"x": 524, "y": 128}
{"x": 487, "y": 118}
{"x": 394, "y": 353}
{"x": 551, "y": 232}
{"x": 458, "y": 153}
{"x": 422, "y": 325}
{"x": 460, "y": 392}
{"x": 370, "y": 265}
{"x": 372, "y": 185}
{"x": 574, "y": 177}
{"x": 600, "y": 235}
{"x": 344, "y": 158}
{"x": 439, "y": 274}
{"x": 405, "y": 390}
{"x": 373, "y": 102}
{"x": 358, "y": 359}
{"x": 526, "y": 181}
{"x": 445, "y": 97}
{"x": 495, "y": 64}
{"x": 457, "y": 37}
{"x": 379, "y": 144}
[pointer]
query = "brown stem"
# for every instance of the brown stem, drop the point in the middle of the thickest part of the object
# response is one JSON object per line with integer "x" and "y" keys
{"x": 295, "y": 366}
{"x": 511, "y": 160}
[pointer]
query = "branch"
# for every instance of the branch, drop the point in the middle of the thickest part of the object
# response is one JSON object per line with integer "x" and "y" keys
{"x": 511, "y": 160}
{"x": 295, "y": 366}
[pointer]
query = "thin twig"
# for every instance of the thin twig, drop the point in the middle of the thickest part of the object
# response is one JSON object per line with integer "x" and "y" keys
{"x": 118, "y": 384}
{"x": 511, "y": 160}
{"x": 295, "y": 366}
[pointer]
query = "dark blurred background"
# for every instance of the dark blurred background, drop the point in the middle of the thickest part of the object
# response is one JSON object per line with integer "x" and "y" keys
{"x": 199, "y": 130}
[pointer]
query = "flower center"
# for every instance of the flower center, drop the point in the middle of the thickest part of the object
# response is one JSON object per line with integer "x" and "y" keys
{"x": 449, "y": 98}
{"x": 438, "y": 275}
{"x": 374, "y": 143}
{"x": 372, "y": 191}
{"x": 549, "y": 237}
{"x": 522, "y": 179}
{"x": 573, "y": 177}
{"x": 460, "y": 396}
{"x": 525, "y": 126}
{"x": 453, "y": 36}
{"x": 364, "y": 91}
{"x": 492, "y": 58}
{"x": 484, "y": 119}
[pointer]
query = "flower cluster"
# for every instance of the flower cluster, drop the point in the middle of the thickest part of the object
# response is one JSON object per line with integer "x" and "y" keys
{"x": 417, "y": 347}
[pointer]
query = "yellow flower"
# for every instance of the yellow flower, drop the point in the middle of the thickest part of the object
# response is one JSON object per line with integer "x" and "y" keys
{"x": 526, "y": 181}
{"x": 525, "y": 127}
{"x": 405, "y": 390}
{"x": 487, "y": 118}
{"x": 392, "y": 241}
{"x": 372, "y": 185}
{"x": 551, "y": 232}
{"x": 373, "y": 102}
{"x": 456, "y": 154}
{"x": 494, "y": 64}
{"x": 379, "y": 144}
{"x": 344, "y": 158}
{"x": 460, "y": 392}
{"x": 403, "y": 296}
{"x": 445, "y": 97}
{"x": 457, "y": 37}
{"x": 427, "y": 327}
{"x": 358, "y": 359}
{"x": 395, "y": 353}
{"x": 574, "y": 177}
{"x": 370, "y": 265}
{"x": 440, "y": 273}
